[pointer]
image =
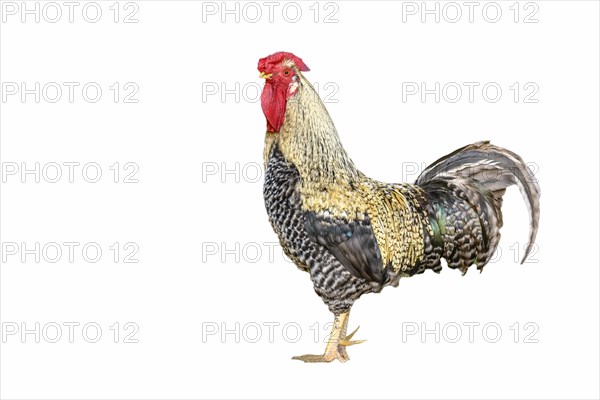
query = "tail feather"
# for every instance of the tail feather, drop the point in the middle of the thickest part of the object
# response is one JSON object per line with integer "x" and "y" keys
{"x": 478, "y": 175}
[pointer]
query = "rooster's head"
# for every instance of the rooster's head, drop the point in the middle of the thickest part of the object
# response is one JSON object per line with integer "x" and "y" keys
{"x": 281, "y": 71}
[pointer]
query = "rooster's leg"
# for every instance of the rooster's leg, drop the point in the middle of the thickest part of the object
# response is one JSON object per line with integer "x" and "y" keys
{"x": 336, "y": 346}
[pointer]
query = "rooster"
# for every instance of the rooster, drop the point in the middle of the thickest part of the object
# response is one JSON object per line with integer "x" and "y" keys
{"x": 355, "y": 235}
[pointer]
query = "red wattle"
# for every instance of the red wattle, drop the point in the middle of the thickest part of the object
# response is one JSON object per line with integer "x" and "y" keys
{"x": 273, "y": 100}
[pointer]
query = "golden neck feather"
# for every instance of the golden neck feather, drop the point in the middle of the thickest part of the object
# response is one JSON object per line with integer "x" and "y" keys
{"x": 309, "y": 140}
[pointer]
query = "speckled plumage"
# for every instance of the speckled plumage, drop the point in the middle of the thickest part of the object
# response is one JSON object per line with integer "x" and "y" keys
{"x": 332, "y": 281}
{"x": 356, "y": 235}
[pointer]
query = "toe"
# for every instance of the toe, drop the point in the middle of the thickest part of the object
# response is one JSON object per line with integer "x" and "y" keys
{"x": 313, "y": 358}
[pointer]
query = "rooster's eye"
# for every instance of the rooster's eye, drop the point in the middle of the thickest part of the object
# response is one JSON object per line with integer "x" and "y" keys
{"x": 286, "y": 72}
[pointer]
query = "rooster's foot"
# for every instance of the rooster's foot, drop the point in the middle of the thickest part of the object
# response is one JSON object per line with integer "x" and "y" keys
{"x": 327, "y": 357}
{"x": 336, "y": 346}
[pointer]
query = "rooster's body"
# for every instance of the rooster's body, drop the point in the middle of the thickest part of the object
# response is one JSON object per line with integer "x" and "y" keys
{"x": 355, "y": 235}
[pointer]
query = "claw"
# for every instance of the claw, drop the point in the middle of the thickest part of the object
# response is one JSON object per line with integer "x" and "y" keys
{"x": 348, "y": 337}
{"x": 346, "y": 342}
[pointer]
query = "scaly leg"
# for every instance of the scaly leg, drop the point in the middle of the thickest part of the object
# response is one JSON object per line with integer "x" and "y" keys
{"x": 336, "y": 346}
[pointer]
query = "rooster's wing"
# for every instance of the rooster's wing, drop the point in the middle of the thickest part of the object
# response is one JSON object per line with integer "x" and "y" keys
{"x": 352, "y": 243}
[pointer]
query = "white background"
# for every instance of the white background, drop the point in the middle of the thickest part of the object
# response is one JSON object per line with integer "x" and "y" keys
{"x": 179, "y": 291}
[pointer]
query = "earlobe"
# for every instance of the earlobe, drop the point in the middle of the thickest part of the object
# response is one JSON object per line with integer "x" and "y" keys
{"x": 292, "y": 89}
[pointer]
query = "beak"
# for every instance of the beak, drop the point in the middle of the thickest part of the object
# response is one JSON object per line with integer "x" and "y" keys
{"x": 265, "y": 76}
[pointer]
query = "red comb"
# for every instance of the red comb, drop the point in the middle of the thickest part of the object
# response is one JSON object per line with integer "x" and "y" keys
{"x": 277, "y": 58}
